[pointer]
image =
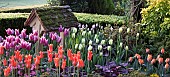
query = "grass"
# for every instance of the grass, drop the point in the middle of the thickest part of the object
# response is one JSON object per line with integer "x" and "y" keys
{"x": 13, "y": 15}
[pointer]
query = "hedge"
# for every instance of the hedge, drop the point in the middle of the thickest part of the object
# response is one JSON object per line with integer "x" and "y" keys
{"x": 16, "y": 20}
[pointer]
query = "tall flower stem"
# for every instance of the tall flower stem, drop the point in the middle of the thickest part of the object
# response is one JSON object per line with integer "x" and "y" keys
{"x": 57, "y": 72}
{"x": 77, "y": 72}
{"x": 59, "y": 69}
{"x": 28, "y": 72}
{"x": 13, "y": 72}
{"x": 74, "y": 71}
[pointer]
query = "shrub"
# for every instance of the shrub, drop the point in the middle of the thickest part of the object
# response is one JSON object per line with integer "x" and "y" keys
{"x": 156, "y": 24}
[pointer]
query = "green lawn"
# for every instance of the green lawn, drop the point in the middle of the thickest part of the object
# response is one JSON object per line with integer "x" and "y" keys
{"x": 14, "y": 3}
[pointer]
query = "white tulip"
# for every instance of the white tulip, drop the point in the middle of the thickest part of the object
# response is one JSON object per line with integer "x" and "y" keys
{"x": 128, "y": 30}
{"x": 83, "y": 33}
{"x": 120, "y": 30}
{"x": 109, "y": 48}
{"x": 137, "y": 35}
{"x": 111, "y": 41}
{"x": 89, "y": 33}
{"x": 121, "y": 44}
{"x": 90, "y": 42}
{"x": 80, "y": 46}
{"x": 103, "y": 42}
{"x": 90, "y": 48}
{"x": 97, "y": 41}
{"x": 99, "y": 47}
{"x": 83, "y": 40}
{"x": 126, "y": 48}
{"x": 101, "y": 53}
{"x": 76, "y": 46}
{"x": 74, "y": 30}
{"x": 73, "y": 35}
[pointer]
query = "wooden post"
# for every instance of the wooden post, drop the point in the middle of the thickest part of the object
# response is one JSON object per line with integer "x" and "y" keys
{"x": 62, "y": 40}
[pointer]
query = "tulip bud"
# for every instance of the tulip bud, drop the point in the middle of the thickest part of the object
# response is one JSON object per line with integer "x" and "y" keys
{"x": 111, "y": 28}
{"x": 90, "y": 48}
{"x": 109, "y": 48}
{"x": 73, "y": 35}
{"x": 121, "y": 44}
{"x": 126, "y": 48}
{"x": 74, "y": 30}
{"x": 120, "y": 30}
{"x": 166, "y": 66}
{"x": 110, "y": 41}
{"x": 101, "y": 53}
{"x": 97, "y": 41}
{"x": 76, "y": 46}
{"x": 137, "y": 35}
{"x": 83, "y": 41}
{"x": 90, "y": 42}
{"x": 83, "y": 33}
{"x": 99, "y": 47}
{"x": 89, "y": 33}
{"x": 130, "y": 59}
{"x": 128, "y": 30}
{"x": 80, "y": 46}
{"x": 103, "y": 42}
{"x": 95, "y": 36}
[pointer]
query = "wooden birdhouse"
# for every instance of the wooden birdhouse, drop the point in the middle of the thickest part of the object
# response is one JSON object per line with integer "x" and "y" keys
{"x": 47, "y": 19}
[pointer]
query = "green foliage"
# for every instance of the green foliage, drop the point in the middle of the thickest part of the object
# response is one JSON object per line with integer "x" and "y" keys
{"x": 156, "y": 24}
{"x": 54, "y": 2}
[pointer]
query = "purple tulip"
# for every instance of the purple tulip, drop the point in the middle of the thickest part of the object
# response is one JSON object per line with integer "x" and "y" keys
{"x": 54, "y": 36}
{"x": 35, "y": 38}
{"x": 9, "y": 31}
{"x": 1, "y": 39}
{"x": 7, "y": 45}
{"x": 28, "y": 46}
{"x": 23, "y": 33}
{"x": 12, "y": 44}
{"x": 51, "y": 34}
{"x": 44, "y": 41}
{"x": 59, "y": 39}
{"x": 17, "y": 39}
{"x": 17, "y": 32}
{"x": 17, "y": 47}
{"x": 10, "y": 38}
{"x": 66, "y": 32}
{"x": 31, "y": 37}
{"x": 93, "y": 26}
{"x": 61, "y": 28}
{"x": 35, "y": 32}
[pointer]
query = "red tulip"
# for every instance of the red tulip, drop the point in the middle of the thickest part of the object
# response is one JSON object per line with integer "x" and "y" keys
{"x": 162, "y": 50}
{"x": 140, "y": 61}
{"x": 69, "y": 51}
{"x": 56, "y": 61}
{"x": 149, "y": 58}
{"x": 147, "y": 50}
{"x": 160, "y": 60}
{"x": 50, "y": 57}
{"x": 89, "y": 56}
{"x": 63, "y": 64}
{"x": 130, "y": 59}
{"x": 137, "y": 56}
{"x": 80, "y": 63}
{"x": 167, "y": 60}
{"x": 4, "y": 62}
{"x": 71, "y": 57}
{"x": 56, "y": 55}
{"x": 78, "y": 55}
{"x": 1, "y": 50}
{"x": 50, "y": 47}
{"x": 153, "y": 61}
{"x": 41, "y": 54}
{"x": 74, "y": 61}
{"x": 7, "y": 71}
{"x": 13, "y": 62}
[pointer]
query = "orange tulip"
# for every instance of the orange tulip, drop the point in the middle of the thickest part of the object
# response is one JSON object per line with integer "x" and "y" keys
{"x": 20, "y": 58}
{"x": 56, "y": 55}
{"x": 71, "y": 57}
{"x": 166, "y": 66}
{"x": 37, "y": 60}
{"x": 89, "y": 56}
{"x": 17, "y": 53}
{"x": 28, "y": 63}
{"x": 4, "y": 62}
{"x": 63, "y": 64}
{"x": 41, "y": 54}
{"x": 50, "y": 57}
{"x": 60, "y": 52}
{"x": 162, "y": 50}
{"x": 160, "y": 60}
{"x": 80, "y": 63}
{"x": 56, "y": 61}
{"x": 69, "y": 51}
{"x": 147, "y": 50}
{"x": 130, "y": 59}
{"x": 60, "y": 47}
{"x": 50, "y": 47}
{"x": 13, "y": 63}
{"x": 140, "y": 61}
{"x": 1, "y": 50}
{"x": 153, "y": 61}
{"x": 149, "y": 58}
{"x": 167, "y": 60}
{"x": 74, "y": 61}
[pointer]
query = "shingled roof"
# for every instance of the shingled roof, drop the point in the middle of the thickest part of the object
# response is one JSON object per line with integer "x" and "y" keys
{"x": 52, "y": 17}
